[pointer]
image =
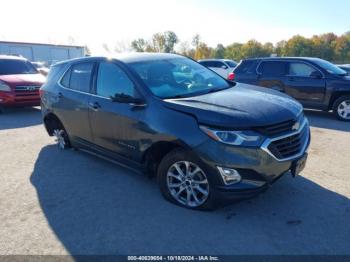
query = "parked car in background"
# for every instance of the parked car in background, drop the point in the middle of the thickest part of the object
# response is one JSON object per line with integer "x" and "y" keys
{"x": 314, "y": 82}
{"x": 19, "y": 82}
{"x": 201, "y": 135}
{"x": 41, "y": 67}
{"x": 346, "y": 68}
{"x": 223, "y": 67}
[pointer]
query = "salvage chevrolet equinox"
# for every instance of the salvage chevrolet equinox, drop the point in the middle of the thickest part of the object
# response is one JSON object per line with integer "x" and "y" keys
{"x": 206, "y": 139}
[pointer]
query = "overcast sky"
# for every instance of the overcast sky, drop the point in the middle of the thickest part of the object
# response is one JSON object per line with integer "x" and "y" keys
{"x": 217, "y": 21}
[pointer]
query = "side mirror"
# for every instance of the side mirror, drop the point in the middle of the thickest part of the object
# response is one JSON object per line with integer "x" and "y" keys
{"x": 127, "y": 99}
{"x": 224, "y": 67}
{"x": 316, "y": 75}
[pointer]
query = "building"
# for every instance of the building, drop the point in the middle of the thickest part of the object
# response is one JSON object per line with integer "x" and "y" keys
{"x": 36, "y": 52}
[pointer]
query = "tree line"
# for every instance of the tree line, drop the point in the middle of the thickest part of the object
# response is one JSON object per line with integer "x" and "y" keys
{"x": 327, "y": 46}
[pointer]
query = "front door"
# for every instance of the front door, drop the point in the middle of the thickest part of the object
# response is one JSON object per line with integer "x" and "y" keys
{"x": 305, "y": 83}
{"x": 114, "y": 124}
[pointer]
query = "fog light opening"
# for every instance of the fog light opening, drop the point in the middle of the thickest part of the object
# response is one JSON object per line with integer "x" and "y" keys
{"x": 229, "y": 175}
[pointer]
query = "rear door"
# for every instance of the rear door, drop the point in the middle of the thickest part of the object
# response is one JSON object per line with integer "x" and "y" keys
{"x": 272, "y": 74}
{"x": 114, "y": 124}
{"x": 303, "y": 84}
{"x": 72, "y": 100}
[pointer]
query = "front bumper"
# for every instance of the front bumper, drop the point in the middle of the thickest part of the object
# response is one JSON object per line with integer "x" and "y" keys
{"x": 9, "y": 99}
{"x": 258, "y": 167}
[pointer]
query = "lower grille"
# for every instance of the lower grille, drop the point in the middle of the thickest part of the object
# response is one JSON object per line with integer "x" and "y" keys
{"x": 289, "y": 146}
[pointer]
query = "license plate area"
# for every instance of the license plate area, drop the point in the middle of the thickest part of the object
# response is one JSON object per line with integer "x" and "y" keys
{"x": 298, "y": 165}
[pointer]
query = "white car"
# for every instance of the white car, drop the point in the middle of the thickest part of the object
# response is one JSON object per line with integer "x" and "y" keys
{"x": 222, "y": 67}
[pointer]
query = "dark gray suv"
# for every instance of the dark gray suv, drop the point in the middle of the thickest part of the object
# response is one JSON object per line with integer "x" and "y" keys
{"x": 206, "y": 139}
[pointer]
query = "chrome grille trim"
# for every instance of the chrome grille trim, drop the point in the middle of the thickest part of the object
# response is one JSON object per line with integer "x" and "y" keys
{"x": 27, "y": 88}
{"x": 268, "y": 141}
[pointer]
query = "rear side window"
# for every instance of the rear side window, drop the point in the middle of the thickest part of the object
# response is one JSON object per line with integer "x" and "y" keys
{"x": 273, "y": 68}
{"x": 215, "y": 64}
{"x": 111, "y": 81}
{"x": 205, "y": 63}
{"x": 66, "y": 78}
{"x": 78, "y": 77}
{"x": 246, "y": 67}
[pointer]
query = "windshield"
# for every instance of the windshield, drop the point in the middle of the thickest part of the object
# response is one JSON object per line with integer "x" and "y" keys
{"x": 16, "y": 67}
{"x": 329, "y": 67}
{"x": 178, "y": 77}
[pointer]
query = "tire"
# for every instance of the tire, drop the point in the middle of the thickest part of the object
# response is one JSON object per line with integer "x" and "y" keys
{"x": 61, "y": 135}
{"x": 202, "y": 198}
{"x": 342, "y": 104}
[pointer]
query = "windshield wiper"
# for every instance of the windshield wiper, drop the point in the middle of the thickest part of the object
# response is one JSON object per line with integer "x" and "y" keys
{"x": 200, "y": 93}
{"x": 179, "y": 96}
{"x": 214, "y": 90}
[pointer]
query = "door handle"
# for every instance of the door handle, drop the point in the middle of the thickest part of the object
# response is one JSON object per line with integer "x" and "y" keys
{"x": 94, "y": 106}
{"x": 59, "y": 95}
{"x": 291, "y": 79}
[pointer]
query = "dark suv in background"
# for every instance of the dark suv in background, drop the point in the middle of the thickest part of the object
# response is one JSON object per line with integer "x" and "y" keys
{"x": 205, "y": 138}
{"x": 314, "y": 82}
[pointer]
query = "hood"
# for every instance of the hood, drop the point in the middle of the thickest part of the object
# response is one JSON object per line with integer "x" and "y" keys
{"x": 242, "y": 106}
{"x": 347, "y": 78}
{"x": 340, "y": 83}
{"x": 23, "y": 79}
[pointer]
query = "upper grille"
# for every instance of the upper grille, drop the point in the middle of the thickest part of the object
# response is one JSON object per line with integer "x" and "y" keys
{"x": 27, "y": 88}
{"x": 277, "y": 129}
{"x": 281, "y": 128}
{"x": 289, "y": 146}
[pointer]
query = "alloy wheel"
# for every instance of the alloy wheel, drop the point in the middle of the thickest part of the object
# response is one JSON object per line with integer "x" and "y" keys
{"x": 60, "y": 138}
{"x": 188, "y": 184}
{"x": 344, "y": 109}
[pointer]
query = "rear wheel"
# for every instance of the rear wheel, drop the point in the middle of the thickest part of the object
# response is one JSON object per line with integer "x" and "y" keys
{"x": 341, "y": 108}
{"x": 183, "y": 180}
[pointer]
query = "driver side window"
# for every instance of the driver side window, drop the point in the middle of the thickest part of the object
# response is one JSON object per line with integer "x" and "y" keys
{"x": 112, "y": 80}
{"x": 300, "y": 69}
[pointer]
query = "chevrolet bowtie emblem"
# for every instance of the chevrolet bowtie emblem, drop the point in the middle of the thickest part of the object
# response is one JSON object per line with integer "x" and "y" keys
{"x": 296, "y": 126}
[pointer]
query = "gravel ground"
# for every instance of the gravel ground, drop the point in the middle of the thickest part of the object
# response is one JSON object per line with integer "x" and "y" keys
{"x": 68, "y": 202}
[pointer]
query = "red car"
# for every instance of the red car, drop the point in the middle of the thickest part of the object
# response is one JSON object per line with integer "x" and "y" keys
{"x": 20, "y": 82}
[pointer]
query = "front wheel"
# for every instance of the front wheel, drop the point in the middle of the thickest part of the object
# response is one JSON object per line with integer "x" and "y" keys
{"x": 61, "y": 138}
{"x": 341, "y": 108}
{"x": 183, "y": 181}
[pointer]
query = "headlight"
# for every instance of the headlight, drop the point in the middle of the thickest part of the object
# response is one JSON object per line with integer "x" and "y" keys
{"x": 236, "y": 138}
{"x": 4, "y": 86}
